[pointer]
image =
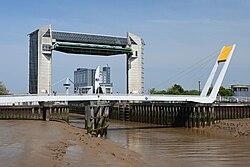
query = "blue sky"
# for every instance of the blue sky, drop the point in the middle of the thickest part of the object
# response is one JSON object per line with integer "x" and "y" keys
{"x": 177, "y": 33}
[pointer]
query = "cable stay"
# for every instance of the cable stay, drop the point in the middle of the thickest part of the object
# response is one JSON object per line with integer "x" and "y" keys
{"x": 184, "y": 73}
{"x": 203, "y": 74}
{"x": 198, "y": 73}
{"x": 194, "y": 71}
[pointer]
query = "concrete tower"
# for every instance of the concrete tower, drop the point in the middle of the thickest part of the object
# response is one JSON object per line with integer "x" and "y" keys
{"x": 135, "y": 69}
{"x": 40, "y": 57}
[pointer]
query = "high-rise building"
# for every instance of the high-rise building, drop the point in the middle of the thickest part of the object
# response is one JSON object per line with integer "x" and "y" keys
{"x": 106, "y": 84}
{"x": 84, "y": 81}
{"x": 106, "y": 74}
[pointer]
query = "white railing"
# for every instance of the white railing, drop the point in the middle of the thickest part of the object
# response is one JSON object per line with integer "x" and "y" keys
{"x": 28, "y": 99}
{"x": 233, "y": 99}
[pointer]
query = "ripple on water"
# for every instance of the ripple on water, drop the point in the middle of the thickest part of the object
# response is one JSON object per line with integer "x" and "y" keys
{"x": 179, "y": 146}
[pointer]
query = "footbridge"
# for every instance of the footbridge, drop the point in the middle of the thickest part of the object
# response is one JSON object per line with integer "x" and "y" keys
{"x": 223, "y": 59}
{"x": 17, "y": 99}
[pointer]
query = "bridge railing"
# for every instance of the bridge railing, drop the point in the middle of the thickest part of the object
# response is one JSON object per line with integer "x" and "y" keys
{"x": 113, "y": 94}
{"x": 233, "y": 99}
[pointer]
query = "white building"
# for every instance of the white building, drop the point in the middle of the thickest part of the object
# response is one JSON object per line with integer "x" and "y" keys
{"x": 88, "y": 81}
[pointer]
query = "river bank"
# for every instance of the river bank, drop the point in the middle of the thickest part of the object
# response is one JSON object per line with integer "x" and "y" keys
{"x": 235, "y": 127}
{"x": 39, "y": 143}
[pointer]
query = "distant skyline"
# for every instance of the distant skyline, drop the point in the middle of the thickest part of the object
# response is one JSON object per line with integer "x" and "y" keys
{"x": 177, "y": 34}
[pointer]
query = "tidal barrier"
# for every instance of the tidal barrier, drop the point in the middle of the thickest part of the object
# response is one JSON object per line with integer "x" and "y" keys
{"x": 179, "y": 114}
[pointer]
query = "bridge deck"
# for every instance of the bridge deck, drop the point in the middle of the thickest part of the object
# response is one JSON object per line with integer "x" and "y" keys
{"x": 102, "y": 97}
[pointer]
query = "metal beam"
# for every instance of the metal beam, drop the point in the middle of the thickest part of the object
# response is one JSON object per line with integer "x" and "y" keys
{"x": 91, "y": 49}
{"x": 89, "y": 38}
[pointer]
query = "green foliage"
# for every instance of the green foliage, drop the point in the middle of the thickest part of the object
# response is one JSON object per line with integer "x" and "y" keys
{"x": 154, "y": 91}
{"x": 225, "y": 92}
{"x": 222, "y": 91}
{"x": 175, "y": 90}
{"x": 178, "y": 90}
{"x": 3, "y": 89}
{"x": 192, "y": 92}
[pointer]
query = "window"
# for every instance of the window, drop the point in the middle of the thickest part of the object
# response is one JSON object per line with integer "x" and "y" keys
{"x": 46, "y": 47}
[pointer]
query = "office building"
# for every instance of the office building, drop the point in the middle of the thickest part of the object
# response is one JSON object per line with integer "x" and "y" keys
{"x": 105, "y": 74}
{"x": 86, "y": 83}
{"x": 84, "y": 80}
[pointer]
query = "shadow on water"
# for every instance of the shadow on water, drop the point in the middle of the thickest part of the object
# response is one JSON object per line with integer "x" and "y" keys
{"x": 135, "y": 128}
{"x": 160, "y": 145}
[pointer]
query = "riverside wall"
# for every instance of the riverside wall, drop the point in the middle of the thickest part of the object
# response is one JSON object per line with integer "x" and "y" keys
{"x": 35, "y": 112}
{"x": 179, "y": 114}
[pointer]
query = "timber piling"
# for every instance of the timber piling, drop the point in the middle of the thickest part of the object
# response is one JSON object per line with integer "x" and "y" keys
{"x": 36, "y": 112}
{"x": 179, "y": 114}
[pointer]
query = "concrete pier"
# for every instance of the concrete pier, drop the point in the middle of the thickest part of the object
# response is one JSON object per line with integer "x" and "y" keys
{"x": 179, "y": 114}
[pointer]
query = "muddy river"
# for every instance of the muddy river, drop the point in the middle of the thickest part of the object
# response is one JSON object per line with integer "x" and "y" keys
{"x": 178, "y": 146}
{"x": 157, "y": 146}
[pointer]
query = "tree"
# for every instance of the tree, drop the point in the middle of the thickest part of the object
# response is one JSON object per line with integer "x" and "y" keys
{"x": 192, "y": 92}
{"x": 225, "y": 92}
{"x": 152, "y": 91}
{"x": 3, "y": 89}
{"x": 222, "y": 91}
{"x": 176, "y": 90}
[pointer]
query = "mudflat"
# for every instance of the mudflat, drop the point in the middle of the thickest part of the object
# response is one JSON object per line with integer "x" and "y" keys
{"x": 40, "y": 143}
{"x": 234, "y": 127}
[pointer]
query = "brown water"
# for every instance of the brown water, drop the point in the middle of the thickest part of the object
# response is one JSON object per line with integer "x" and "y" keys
{"x": 23, "y": 143}
{"x": 157, "y": 146}
{"x": 179, "y": 146}
{"x": 46, "y": 144}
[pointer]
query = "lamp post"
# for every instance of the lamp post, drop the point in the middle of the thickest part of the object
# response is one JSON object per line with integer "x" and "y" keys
{"x": 199, "y": 87}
